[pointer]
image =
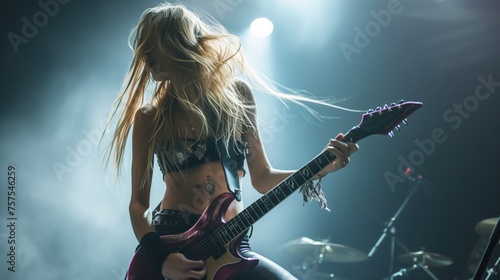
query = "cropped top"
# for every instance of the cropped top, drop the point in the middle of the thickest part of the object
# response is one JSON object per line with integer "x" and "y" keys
{"x": 198, "y": 152}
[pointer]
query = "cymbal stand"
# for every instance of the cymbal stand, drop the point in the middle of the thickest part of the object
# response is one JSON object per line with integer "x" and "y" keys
{"x": 488, "y": 253}
{"x": 391, "y": 229}
{"x": 495, "y": 270}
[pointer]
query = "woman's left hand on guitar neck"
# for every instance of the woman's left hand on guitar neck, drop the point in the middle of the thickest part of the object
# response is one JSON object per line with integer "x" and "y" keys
{"x": 342, "y": 150}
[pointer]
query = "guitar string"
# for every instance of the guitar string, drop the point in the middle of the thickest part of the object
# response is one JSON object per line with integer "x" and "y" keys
{"x": 204, "y": 247}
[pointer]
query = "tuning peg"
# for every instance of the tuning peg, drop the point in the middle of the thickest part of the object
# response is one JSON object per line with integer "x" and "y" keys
{"x": 393, "y": 104}
{"x": 405, "y": 121}
{"x": 370, "y": 111}
{"x": 401, "y": 101}
{"x": 398, "y": 127}
{"x": 391, "y": 134}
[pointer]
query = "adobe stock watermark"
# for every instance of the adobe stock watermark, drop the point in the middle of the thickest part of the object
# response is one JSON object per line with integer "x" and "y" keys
{"x": 31, "y": 26}
{"x": 454, "y": 118}
{"x": 277, "y": 123}
{"x": 223, "y": 6}
{"x": 77, "y": 153}
{"x": 363, "y": 37}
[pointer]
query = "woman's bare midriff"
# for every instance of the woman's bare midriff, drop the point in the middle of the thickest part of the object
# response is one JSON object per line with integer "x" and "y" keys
{"x": 194, "y": 189}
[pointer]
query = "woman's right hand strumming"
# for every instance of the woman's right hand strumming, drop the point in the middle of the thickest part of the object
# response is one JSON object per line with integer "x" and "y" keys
{"x": 177, "y": 267}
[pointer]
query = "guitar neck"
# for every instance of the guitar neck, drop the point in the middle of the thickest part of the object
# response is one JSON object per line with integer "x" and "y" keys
{"x": 379, "y": 121}
{"x": 272, "y": 198}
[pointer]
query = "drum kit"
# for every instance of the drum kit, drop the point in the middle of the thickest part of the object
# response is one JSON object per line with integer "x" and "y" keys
{"x": 326, "y": 252}
{"x": 315, "y": 252}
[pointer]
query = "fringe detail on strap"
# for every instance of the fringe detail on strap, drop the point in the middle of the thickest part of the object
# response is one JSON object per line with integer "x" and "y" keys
{"x": 312, "y": 190}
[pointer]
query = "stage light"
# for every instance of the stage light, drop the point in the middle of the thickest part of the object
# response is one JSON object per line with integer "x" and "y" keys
{"x": 262, "y": 27}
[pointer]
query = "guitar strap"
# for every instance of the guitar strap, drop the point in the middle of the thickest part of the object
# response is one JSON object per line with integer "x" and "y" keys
{"x": 230, "y": 167}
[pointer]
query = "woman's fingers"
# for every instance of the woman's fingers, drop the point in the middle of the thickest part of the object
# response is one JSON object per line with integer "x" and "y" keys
{"x": 197, "y": 269}
{"x": 197, "y": 274}
{"x": 341, "y": 158}
{"x": 180, "y": 267}
{"x": 342, "y": 150}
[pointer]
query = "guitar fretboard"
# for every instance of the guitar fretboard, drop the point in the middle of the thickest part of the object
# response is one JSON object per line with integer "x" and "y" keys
{"x": 271, "y": 199}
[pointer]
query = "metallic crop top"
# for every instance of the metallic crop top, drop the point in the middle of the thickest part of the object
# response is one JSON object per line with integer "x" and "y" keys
{"x": 198, "y": 152}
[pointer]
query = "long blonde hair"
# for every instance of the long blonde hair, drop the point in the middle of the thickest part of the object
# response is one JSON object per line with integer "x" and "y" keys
{"x": 208, "y": 59}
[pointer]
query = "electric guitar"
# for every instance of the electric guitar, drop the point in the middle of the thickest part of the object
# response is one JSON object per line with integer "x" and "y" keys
{"x": 216, "y": 242}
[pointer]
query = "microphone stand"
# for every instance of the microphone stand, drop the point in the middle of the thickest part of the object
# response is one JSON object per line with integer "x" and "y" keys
{"x": 389, "y": 228}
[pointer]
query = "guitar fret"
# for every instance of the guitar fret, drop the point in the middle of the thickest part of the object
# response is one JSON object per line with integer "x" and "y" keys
{"x": 221, "y": 238}
{"x": 218, "y": 237}
{"x": 320, "y": 159}
{"x": 225, "y": 235}
{"x": 254, "y": 216}
{"x": 241, "y": 224}
{"x": 267, "y": 202}
{"x": 231, "y": 229}
{"x": 329, "y": 156}
{"x": 319, "y": 165}
{"x": 256, "y": 206}
{"x": 297, "y": 183}
{"x": 276, "y": 199}
{"x": 305, "y": 173}
{"x": 262, "y": 205}
{"x": 302, "y": 179}
{"x": 291, "y": 186}
{"x": 298, "y": 179}
{"x": 259, "y": 203}
{"x": 247, "y": 217}
{"x": 277, "y": 191}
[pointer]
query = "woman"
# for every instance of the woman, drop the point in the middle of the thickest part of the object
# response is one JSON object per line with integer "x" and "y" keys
{"x": 196, "y": 100}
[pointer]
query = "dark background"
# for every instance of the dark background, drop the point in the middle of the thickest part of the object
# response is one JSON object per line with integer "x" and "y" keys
{"x": 58, "y": 87}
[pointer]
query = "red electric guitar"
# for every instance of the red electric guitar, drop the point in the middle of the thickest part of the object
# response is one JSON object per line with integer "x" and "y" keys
{"x": 217, "y": 242}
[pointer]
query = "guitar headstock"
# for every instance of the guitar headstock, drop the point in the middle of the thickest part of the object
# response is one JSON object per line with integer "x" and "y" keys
{"x": 382, "y": 120}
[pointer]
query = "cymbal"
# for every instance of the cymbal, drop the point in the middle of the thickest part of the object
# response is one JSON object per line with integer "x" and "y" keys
{"x": 426, "y": 258}
{"x": 485, "y": 227}
{"x": 329, "y": 252}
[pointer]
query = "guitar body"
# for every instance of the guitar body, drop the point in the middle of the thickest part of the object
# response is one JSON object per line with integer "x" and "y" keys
{"x": 221, "y": 261}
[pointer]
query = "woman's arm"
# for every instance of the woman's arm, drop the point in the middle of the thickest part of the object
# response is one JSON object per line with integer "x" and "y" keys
{"x": 263, "y": 176}
{"x": 174, "y": 265}
{"x": 139, "y": 201}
